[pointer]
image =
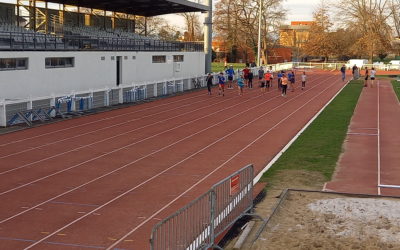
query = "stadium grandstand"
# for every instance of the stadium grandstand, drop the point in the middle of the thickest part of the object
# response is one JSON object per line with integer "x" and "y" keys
{"x": 53, "y": 48}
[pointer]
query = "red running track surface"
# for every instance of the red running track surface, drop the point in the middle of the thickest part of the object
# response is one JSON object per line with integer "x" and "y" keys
{"x": 103, "y": 181}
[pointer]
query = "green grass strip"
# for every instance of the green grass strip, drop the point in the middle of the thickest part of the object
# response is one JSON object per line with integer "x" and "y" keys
{"x": 396, "y": 87}
{"x": 318, "y": 148}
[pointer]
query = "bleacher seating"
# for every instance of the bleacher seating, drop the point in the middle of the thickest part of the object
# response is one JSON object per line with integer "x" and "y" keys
{"x": 80, "y": 37}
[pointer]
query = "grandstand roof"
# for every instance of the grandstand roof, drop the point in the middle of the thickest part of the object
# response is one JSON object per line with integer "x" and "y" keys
{"x": 138, "y": 7}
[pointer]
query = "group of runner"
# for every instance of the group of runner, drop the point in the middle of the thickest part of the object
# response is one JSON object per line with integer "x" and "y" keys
{"x": 265, "y": 80}
{"x": 369, "y": 74}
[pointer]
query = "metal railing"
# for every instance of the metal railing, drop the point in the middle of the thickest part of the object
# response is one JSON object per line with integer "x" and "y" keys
{"x": 198, "y": 224}
{"x": 37, "y": 41}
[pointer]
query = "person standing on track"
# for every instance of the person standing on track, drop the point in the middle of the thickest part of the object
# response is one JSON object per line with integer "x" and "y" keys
{"x": 230, "y": 72}
{"x": 272, "y": 75}
{"x": 221, "y": 83}
{"x": 343, "y": 70}
{"x": 284, "y": 85}
{"x": 268, "y": 80}
{"x": 356, "y": 73}
{"x": 260, "y": 76}
{"x": 292, "y": 80}
{"x": 209, "y": 81}
{"x": 240, "y": 83}
{"x": 366, "y": 77}
{"x": 246, "y": 71}
{"x": 280, "y": 75}
{"x": 373, "y": 74}
{"x": 303, "y": 80}
{"x": 251, "y": 76}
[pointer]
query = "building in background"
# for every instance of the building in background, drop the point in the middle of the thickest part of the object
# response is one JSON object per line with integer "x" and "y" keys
{"x": 295, "y": 36}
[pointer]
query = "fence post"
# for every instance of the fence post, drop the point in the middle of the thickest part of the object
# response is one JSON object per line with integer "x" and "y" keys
{"x": 3, "y": 117}
{"x": 73, "y": 104}
{"x": 213, "y": 198}
{"x": 53, "y": 104}
{"x": 29, "y": 106}
{"x": 155, "y": 89}
{"x": 120, "y": 95}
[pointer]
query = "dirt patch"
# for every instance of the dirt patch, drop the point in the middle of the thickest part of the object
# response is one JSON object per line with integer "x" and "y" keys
{"x": 331, "y": 221}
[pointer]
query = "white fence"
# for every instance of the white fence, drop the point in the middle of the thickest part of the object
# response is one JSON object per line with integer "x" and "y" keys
{"x": 91, "y": 99}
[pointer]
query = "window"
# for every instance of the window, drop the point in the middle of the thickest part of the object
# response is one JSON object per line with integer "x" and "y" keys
{"x": 133, "y": 57}
{"x": 159, "y": 59}
{"x": 178, "y": 58}
{"x": 103, "y": 58}
{"x": 13, "y": 63}
{"x": 59, "y": 62}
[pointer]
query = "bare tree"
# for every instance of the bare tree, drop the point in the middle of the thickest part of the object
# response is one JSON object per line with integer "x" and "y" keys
{"x": 193, "y": 27}
{"x": 371, "y": 18}
{"x": 321, "y": 41}
{"x": 236, "y": 22}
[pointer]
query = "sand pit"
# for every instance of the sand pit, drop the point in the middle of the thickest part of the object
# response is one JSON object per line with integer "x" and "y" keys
{"x": 315, "y": 220}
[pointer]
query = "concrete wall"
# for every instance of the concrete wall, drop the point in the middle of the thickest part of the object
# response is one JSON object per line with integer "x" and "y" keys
{"x": 90, "y": 72}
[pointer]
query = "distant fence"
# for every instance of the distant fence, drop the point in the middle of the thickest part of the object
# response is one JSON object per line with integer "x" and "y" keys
{"x": 198, "y": 224}
{"x": 128, "y": 93}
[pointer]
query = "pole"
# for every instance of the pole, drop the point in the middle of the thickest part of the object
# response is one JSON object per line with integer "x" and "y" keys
{"x": 259, "y": 35}
{"x": 208, "y": 38}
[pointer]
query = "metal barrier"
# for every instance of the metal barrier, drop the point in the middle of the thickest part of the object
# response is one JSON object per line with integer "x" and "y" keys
{"x": 197, "y": 225}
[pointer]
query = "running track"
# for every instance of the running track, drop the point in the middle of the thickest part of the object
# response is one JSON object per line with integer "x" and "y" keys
{"x": 103, "y": 181}
{"x": 371, "y": 161}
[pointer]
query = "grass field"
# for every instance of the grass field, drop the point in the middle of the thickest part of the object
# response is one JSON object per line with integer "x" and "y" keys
{"x": 319, "y": 147}
{"x": 396, "y": 87}
{"x": 218, "y": 67}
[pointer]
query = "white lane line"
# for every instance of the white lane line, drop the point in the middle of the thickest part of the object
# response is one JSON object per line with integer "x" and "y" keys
{"x": 178, "y": 163}
{"x": 389, "y": 186}
{"x": 366, "y": 134}
{"x": 208, "y": 175}
{"x": 113, "y": 151}
{"x": 126, "y": 165}
{"x": 103, "y": 119}
{"x": 379, "y": 140}
{"x": 118, "y": 124}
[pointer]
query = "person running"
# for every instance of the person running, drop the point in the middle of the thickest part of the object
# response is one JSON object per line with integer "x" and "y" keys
{"x": 366, "y": 77}
{"x": 240, "y": 83}
{"x": 209, "y": 80}
{"x": 303, "y": 80}
{"x": 280, "y": 75}
{"x": 221, "y": 83}
{"x": 373, "y": 74}
{"x": 261, "y": 76}
{"x": 268, "y": 80}
{"x": 292, "y": 80}
{"x": 230, "y": 72}
{"x": 251, "y": 76}
{"x": 246, "y": 71}
{"x": 284, "y": 85}
{"x": 343, "y": 70}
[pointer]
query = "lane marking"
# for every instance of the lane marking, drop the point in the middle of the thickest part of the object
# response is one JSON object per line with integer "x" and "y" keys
{"x": 216, "y": 169}
{"x": 159, "y": 150}
{"x": 389, "y": 186}
{"x": 379, "y": 141}
{"x": 74, "y": 204}
{"x": 366, "y": 134}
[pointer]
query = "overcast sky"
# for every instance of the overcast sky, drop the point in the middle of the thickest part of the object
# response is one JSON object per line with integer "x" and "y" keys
{"x": 298, "y": 10}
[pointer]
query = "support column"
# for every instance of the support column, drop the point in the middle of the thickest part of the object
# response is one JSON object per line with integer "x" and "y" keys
{"x": 208, "y": 38}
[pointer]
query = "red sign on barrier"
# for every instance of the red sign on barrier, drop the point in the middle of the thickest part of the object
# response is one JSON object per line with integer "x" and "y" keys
{"x": 235, "y": 184}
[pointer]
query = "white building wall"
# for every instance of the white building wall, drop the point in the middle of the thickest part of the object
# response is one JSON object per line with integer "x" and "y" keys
{"x": 90, "y": 72}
